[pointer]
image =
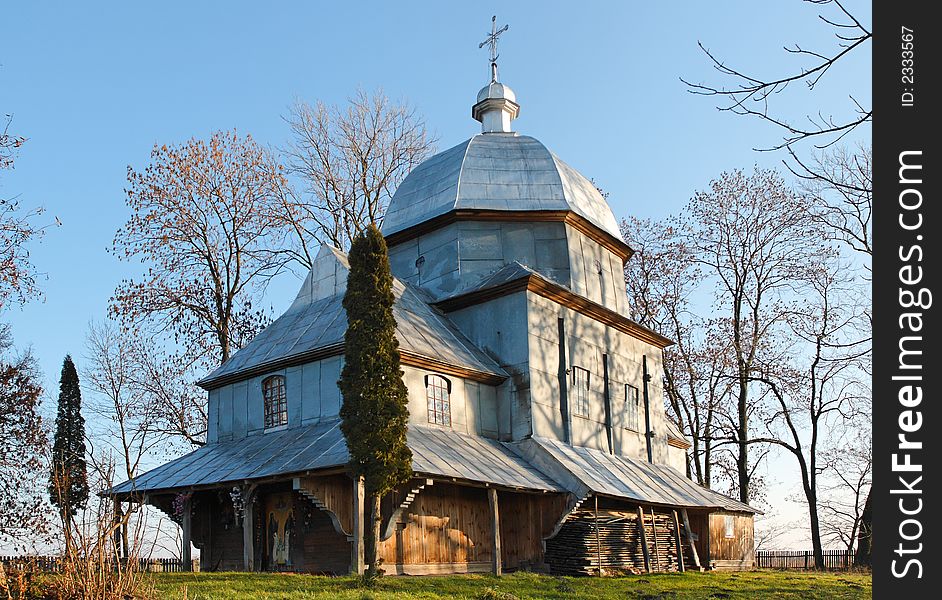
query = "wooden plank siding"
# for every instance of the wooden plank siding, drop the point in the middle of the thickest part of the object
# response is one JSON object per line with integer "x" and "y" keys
{"x": 737, "y": 551}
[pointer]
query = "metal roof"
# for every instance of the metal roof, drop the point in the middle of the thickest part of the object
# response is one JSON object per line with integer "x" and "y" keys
{"x": 435, "y": 452}
{"x": 313, "y": 323}
{"x": 495, "y": 171}
{"x": 623, "y": 477}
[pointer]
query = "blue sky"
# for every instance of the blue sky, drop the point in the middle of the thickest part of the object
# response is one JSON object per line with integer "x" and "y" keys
{"x": 93, "y": 87}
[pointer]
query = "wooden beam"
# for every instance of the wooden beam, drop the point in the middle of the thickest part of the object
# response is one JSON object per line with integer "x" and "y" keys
{"x": 693, "y": 547}
{"x": 357, "y": 561}
{"x": 496, "y": 566}
{"x": 644, "y": 540}
{"x": 187, "y": 527}
{"x": 679, "y": 544}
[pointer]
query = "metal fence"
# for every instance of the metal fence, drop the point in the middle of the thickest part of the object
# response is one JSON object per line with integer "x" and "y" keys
{"x": 53, "y": 564}
{"x": 803, "y": 559}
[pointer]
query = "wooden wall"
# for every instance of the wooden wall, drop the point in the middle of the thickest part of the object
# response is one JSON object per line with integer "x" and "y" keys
{"x": 448, "y": 529}
{"x": 445, "y": 525}
{"x": 525, "y": 520}
{"x": 737, "y": 551}
{"x": 216, "y": 532}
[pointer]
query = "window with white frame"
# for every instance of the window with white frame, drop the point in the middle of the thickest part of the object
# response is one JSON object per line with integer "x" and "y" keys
{"x": 438, "y": 394}
{"x": 632, "y": 408}
{"x": 276, "y": 402}
{"x": 580, "y": 392}
{"x": 729, "y": 526}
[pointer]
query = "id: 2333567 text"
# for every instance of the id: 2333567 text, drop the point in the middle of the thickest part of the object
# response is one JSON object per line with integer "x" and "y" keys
{"x": 907, "y": 66}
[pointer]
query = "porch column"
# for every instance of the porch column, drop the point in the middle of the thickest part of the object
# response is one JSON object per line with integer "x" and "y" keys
{"x": 187, "y": 527}
{"x": 495, "y": 525}
{"x": 248, "y": 528}
{"x": 357, "y": 566}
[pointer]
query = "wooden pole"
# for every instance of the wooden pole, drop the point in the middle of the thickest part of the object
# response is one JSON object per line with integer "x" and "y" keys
{"x": 693, "y": 547}
{"x": 678, "y": 543}
{"x": 644, "y": 540}
{"x": 496, "y": 566}
{"x": 357, "y": 560}
{"x": 187, "y": 526}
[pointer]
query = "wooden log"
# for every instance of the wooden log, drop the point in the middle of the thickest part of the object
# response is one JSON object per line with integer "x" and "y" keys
{"x": 598, "y": 539}
{"x": 693, "y": 546}
{"x": 644, "y": 540}
{"x": 496, "y": 567}
{"x": 679, "y": 544}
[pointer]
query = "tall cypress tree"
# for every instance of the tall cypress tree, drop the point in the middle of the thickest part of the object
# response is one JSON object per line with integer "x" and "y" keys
{"x": 374, "y": 412}
{"x": 68, "y": 479}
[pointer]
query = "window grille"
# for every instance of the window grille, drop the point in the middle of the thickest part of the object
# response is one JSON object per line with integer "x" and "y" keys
{"x": 276, "y": 402}
{"x": 438, "y": 392}
{"x": 580, "y": 392}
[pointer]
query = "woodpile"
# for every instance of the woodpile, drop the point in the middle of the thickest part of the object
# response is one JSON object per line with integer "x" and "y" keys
{"x": 612, "y": 540}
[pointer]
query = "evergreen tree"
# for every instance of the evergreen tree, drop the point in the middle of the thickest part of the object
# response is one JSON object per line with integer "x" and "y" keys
{"x": 374, "y": 412}
{"x": 68, "y": 480}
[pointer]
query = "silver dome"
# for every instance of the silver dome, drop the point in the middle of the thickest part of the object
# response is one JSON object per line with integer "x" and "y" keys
{"x": 497, "y": 90}
{"x": 495, "y": 171}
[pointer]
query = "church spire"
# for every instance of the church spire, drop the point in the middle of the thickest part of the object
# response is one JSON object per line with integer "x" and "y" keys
{"x": 496, "y": 104}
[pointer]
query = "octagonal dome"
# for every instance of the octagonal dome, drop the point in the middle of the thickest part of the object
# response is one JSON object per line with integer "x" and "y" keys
{"x": 496, "y": 171}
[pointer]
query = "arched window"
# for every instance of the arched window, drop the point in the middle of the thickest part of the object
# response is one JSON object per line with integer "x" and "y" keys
{"x": 276, "y": 403}
{"x": 580, "y": 392}
{"x": 438, "y": 392}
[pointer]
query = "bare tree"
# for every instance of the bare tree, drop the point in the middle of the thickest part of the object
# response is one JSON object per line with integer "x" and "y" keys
{"x": 112, "y": 376}
{"x": 18, "y": 227}
{"x": 24, "y": 512}
{"x": 350, "y": 159}
{"x": 202, "y": 224}
{"x": 847, "y": 476}
{"x": 840, "y": 184}
{"x": 753, "y": 94}
{"x": 753, "y": 239}
{"x": 660, "y": 278}
{"x": 817, "y": 390}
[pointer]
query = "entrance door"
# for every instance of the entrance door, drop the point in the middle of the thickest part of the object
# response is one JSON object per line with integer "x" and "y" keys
{"x": 280, "y": 531}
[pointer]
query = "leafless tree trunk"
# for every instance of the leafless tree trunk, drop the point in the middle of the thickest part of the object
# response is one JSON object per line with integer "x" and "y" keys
{"x": 350, "y": 159}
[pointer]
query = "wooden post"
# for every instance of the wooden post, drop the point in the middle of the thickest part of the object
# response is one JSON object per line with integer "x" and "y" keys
{"x": 693, "y": 547}
{"x": 644, "y": 540}
{"x": 678, "y": 543}
{"x": 357, "y": 566}
{"x": 187, "y": 526}
{"x": 496, "y": 566}
{"x": 117, "y": 528}
{"x": 248, "y": 528}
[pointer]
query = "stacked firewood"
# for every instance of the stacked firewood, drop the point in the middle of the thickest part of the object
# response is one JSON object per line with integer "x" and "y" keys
{"x": 611, "y": 540}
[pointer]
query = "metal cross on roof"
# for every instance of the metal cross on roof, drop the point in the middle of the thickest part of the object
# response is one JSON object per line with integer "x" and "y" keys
{"x": 491, "y": 40}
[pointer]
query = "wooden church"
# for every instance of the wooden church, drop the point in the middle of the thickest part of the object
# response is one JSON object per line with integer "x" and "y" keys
{"x": 537, "y": 423}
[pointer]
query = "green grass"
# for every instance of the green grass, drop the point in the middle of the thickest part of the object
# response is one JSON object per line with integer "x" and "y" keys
{"x": 667, "y": 586}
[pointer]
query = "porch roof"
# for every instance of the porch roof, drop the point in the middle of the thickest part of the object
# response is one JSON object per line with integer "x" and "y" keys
{"x": 595, "y": 471}
{"x": 435, "y": 452}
